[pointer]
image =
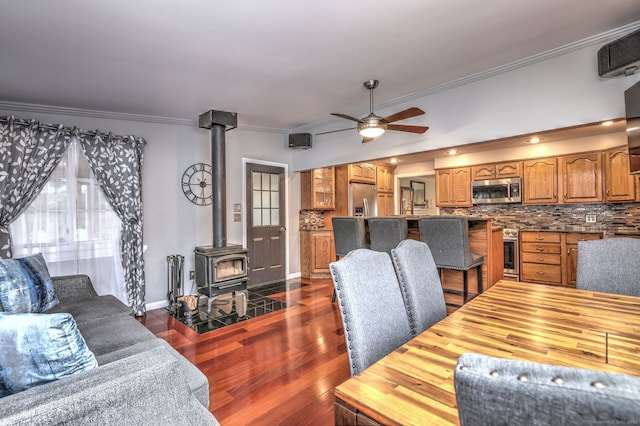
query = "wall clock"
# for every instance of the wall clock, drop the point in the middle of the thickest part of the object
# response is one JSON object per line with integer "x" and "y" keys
{"x": 196, "y": 184}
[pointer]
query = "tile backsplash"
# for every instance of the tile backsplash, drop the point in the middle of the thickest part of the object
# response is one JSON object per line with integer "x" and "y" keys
{"x": 311, "y": 219}
{"x": 623, "y": 218}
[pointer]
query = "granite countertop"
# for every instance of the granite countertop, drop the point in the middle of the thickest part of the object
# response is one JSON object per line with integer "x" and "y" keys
{"x": 605, "y": 232}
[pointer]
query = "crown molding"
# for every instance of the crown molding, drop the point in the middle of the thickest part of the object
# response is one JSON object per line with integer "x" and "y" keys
{"x": 109, "y": 115}
{"x": 580, "y": 44}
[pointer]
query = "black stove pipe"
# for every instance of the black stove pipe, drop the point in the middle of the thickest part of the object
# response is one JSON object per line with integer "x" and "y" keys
{"x": 219, "y": 184}
{"x": 219, "y": 122}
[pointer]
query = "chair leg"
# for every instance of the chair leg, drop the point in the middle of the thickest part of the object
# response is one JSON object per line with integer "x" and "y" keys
{"x": 465, "y": 287}
{"x": 333, "y": 298}
{"x": 479, "y": 274}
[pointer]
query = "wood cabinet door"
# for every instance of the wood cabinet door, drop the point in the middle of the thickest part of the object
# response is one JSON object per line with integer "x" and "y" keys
{"x": 386, "y": 206}
{"x": 508, "y": 170}
{"x": 323, "y": 252}
{"x": 620, "y": 185}
{"x": 581, "y": 178}
{"x": 484, "y": 172}
{"x": 570, "y": 266}
{"x": 444, "y": 186}
{"x": 462, "y": 187}
{"x": 540, "y": 184}
{"x": 381, "y": 179}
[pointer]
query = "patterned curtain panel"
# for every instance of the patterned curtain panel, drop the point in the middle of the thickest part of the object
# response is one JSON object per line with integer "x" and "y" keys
{"x": 116, "y": 163}
{"x": 29, "y": 152}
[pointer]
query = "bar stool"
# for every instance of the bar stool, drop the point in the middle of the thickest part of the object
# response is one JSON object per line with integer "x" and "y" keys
{"x": 348, "y": 234}
{"x": 448, "y": 240}
{"x": 385, "y": 233}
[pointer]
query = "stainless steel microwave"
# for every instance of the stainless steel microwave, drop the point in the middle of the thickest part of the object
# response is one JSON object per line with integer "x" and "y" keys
{"x": 495, "y": 191}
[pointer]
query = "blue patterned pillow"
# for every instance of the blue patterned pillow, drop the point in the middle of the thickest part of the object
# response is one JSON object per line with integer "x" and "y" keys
{"x": 40, "y": 348}
{"x": 25, "y": 285}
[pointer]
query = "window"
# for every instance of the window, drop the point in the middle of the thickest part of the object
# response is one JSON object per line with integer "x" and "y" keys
{"x": 72, "y": 225}
{"x": 265, "y": 189}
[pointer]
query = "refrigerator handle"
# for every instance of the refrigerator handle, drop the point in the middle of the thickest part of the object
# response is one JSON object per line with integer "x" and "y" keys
{"x": 366, "y": 207}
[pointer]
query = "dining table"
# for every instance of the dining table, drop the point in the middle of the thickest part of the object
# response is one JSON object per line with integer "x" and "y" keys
{"x": 559, "y": 325}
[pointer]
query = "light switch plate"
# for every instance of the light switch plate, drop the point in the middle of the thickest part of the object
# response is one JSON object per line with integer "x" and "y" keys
{"x": 237, "y": 217}
{"x": 237, "y": 207}
{"x": 590, "y": 218}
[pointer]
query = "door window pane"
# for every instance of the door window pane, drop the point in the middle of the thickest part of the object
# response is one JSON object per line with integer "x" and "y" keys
{"x": 265, "y": 198}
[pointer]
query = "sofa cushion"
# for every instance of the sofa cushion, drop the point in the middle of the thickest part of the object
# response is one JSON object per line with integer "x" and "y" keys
{"x": 144, "y": 389}
{"x": 197, "y": 381}
{"x": 113, "y": 334}
{"x": 98, "y": 308}
{"x": 40, "y": 348}
{"x": 25, "y": 285}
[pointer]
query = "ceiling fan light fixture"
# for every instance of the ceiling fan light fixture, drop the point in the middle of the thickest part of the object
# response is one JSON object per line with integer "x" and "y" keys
{"x": 371, "y": 126}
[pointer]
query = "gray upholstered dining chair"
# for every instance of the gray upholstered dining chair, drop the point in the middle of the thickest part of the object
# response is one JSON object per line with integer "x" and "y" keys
{"x": 349, "y": 234}
{"x": 420, "y": 284}
{"x": 610, "y": 265}
{"x": 374, "y": 319}
{"x": 448, "y": 240}
{"x": 498, "y": 391}
{"x": 386, "y": 233}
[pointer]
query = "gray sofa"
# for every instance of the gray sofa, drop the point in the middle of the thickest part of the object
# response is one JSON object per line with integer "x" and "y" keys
{"x": 140, "y": 379}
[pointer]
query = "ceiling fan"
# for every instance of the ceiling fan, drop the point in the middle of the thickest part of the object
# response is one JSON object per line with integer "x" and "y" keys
{"x": 372, "y": 126}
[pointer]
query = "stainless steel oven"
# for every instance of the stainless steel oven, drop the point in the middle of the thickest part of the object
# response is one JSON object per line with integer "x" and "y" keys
{"x": 511, "y": 254}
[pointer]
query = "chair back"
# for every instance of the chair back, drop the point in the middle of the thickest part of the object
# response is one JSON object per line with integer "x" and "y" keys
{"x": 373, "y": 315}
{"x": 348, "y": 234}
{"x": 386, "y": 233}
{"x": 611, "y": 265}
{"x": 448, "y": 240}
{"x": 497, "y": 391}
{"x": 419, "y": 284}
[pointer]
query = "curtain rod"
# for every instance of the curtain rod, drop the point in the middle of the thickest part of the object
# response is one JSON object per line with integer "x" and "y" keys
{"x": 23, "y": 122}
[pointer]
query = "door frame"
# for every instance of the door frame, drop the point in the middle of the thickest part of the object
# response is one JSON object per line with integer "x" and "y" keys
{"x": 284, "y": 166}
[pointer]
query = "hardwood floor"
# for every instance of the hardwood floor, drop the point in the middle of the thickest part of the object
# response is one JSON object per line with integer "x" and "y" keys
{"x": 276, "y": 369}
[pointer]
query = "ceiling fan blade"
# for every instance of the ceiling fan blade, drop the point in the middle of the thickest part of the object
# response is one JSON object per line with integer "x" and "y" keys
{"x": 405, "y": 128}
{"x": 407, "y": 113}
{"x": 364, "y": 140}
{"x": 334, "y": 131}
{"x": 348, "y": 117}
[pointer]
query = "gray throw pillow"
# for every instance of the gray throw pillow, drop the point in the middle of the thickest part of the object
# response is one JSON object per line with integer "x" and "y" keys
{"x": 40, "y": 348}
{"x": 25, "y": 285}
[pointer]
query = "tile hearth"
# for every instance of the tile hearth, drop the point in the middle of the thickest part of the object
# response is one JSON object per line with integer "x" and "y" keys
{"x": 225, "y": 312}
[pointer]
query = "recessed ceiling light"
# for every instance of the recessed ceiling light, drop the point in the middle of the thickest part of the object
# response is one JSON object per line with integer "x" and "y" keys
{"x": 452, "y": 152}
{"x": 607, "y": 123}
{"x": 534, "y": 139}
{"x": 393, "y": 160}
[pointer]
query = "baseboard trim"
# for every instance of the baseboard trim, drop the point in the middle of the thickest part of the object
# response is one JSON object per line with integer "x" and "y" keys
{"x": 157, "y": 305}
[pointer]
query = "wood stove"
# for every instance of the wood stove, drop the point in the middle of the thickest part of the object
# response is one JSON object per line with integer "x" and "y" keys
{"x": 220, "y": 268}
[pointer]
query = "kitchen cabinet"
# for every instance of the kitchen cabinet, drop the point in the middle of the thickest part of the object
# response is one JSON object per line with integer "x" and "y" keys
{"x": 384, "y": 179}
{"x": 620, "y": 185}
{"x": 453, "y": 187}
{"x": 384, "y": 185}
{"x": 497, "y": 171}
{"x": 317, "y": 250}
{"x": 362, "y": 172}
{"x": 318, "y": 189}
{"x": 386, "y": 205}
{"x": 570, "y": 261}
{"x": 540, "y": 257}
{"x": 581, "y": 178}
{"x": 540, "y": 181}
{"x": 551, "y": 257}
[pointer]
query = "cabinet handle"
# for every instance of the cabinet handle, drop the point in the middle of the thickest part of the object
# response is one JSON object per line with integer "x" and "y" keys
{"x": 539, "y": 238}
{"x": 539, "y": 258}
{"x": 540, "y": 248}
{"x": 565, "y": 195}
{"x": 540, "y": 273}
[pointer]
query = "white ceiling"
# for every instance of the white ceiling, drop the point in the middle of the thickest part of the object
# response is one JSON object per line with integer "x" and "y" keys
{"x": 280, "y": 64}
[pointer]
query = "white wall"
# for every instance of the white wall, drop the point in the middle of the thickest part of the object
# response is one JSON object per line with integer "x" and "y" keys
{"x": 172, "y": 224}
{"x": 559, "y": 91}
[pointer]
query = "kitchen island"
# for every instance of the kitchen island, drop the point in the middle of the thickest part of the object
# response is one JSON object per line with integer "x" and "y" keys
{"x": 484, "y": 238}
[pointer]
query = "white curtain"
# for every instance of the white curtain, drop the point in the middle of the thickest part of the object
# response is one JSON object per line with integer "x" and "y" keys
{"x": 73, "y": 226}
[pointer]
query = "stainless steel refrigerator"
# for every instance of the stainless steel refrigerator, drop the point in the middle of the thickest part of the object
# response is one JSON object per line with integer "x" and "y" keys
{"x": 363, "y": 199}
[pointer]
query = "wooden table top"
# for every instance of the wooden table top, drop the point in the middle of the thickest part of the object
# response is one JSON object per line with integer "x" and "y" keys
{"x": 533, "y": 322}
